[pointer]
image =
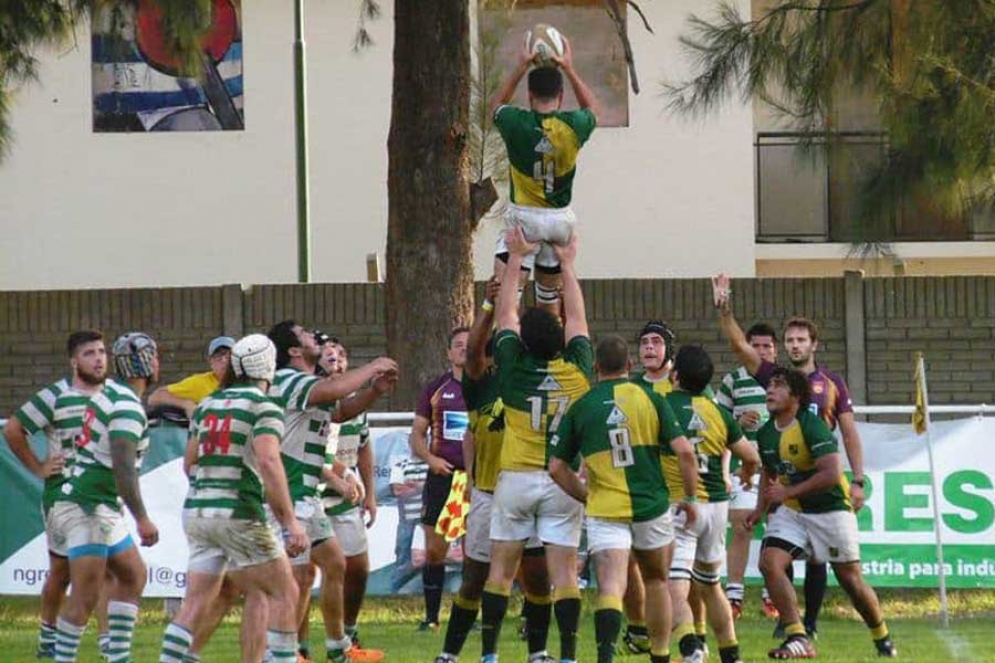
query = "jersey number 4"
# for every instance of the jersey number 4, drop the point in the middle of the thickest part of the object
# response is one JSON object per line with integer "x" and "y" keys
{"x": 218, "y": 437}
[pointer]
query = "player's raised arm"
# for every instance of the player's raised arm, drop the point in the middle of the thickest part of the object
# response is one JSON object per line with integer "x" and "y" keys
{"x": 507, "y": 303}
{"x": 585, "y": 95}
{"x": 507, "y": 90}
{"x": 721, "y": 293}
{"x": 574, "y": 311}
{"x": 476, "y": 342}
{"x": 335, "y": 387}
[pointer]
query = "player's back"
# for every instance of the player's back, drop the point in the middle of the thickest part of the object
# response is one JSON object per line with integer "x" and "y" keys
{"x": 226, "y": 483}
{"x": 709, "y": 429}
{"x": 536, "y": 394}
{"x": 616, "y": 427}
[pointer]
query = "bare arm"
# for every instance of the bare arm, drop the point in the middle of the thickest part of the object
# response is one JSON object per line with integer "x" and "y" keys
{"x": 573, "y": 298}
{"x": 585, "y": 96}
{"x": 747, "y": 455}
{"x": 337, "y": 387}
{"x": 476, "y": 343}
{"x": 730, "y": 328}
{"x": 507, "y": 90}
{"x": 17, "y": 439}
{"x": 161, "y": 397}
{"x": 364, "y": 463}
{"x": 267, "y": 450}
{"x": 419, "y": 447}
{"x": 568, "y": 480}
{"x": 355, "y": 405}
{"x": 123, "y": 454}
{"x": 688, "y": 464}
{"x": 826, "y": 476}
{"x": 507, "y": 304}
{"x": 191, "y": 455}
{"x": 854, "y": 454}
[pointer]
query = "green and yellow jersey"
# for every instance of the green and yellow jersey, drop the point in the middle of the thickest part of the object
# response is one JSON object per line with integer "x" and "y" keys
{"x": 542, "y": 152}
{"x": 619, "y": 428}
{"x": 536, "y": 395}
{"x": 664, "y": 386}
{"x": 486, "y": 410}
{"x": 791, "y": 454}
{"x": 709, "y": 429}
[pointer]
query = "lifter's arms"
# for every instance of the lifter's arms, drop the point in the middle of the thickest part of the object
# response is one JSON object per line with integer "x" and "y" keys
{"x": 855, "y": 454}
{"x": 336, "y": 387}
{"x": 506, "y": 92}
{"x": 507, "y": 303}
{"x": 476, "y": 343}
{"x": 17, "y": 439}
{"x": 585, "y": 95}
{"x": 267, "y": 450}
{"x": 730, "y": 328}
{"x": 574, "y": 311}
{"x": 123, "y": 456}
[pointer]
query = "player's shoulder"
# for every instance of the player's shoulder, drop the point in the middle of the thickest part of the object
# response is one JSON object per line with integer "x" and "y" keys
{"x": 831, "y": 376}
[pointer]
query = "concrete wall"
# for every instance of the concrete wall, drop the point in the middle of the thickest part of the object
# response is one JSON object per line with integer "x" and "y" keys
{"x": 870, "y": 327}
{"x": 663, "y": 197}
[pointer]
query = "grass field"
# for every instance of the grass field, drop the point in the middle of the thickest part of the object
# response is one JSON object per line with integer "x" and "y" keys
{"x": 390, "y": 624}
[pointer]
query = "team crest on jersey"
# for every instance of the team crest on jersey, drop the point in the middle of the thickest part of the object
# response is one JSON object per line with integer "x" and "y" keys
{"x": 793, "y": 449}
{"x": 544, "y": 146}
{"x": 697, "y": 423}
{"x": 616, "y": 417}
{"x": 549, "y": 383}
{"x": 818, "y": 388}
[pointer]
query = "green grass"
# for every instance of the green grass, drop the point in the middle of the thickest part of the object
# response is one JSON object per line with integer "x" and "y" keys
{"x": 389, "y": 624}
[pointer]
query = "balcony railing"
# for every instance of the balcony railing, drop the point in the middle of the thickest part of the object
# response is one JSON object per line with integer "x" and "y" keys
{"x": 814, "y": 195}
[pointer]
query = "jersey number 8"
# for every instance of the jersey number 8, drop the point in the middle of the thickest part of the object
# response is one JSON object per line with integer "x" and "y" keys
{"x": 621, "y": 447}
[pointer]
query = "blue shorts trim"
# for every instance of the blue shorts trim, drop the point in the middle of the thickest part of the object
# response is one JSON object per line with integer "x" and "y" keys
{"x": 100, "y": 550}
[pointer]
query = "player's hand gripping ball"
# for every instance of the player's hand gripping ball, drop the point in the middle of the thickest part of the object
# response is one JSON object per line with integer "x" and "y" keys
{"x": 545, "y": 43}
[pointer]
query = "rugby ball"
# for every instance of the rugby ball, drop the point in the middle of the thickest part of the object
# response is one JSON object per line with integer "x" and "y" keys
{"x": 544, "y": 42}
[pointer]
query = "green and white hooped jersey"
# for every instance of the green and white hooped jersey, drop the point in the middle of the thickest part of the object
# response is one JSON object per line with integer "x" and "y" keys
{"x": 352, "y": 436}
{"x": 305, "y": 431}
{"x": 69, "y": 410}
{"x": 38, "y": 414}
{"x": 741, "y": 393}
{"x": 226, "y": 483}
{"x": 114, "y": 412}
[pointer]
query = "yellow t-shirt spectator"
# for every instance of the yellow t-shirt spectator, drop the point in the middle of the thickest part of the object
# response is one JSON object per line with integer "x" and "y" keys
{"x": 195, "y": 388}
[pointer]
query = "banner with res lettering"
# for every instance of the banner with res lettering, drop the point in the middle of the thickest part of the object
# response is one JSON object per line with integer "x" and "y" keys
{"x": 896, "y": 526}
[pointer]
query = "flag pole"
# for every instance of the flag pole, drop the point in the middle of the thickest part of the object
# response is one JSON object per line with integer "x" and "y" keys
{"x": 938, "y": 524}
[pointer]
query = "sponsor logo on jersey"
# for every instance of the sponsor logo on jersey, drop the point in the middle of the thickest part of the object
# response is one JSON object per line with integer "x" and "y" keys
{"x": 616, "y": 417}
{"x": 549, "y": 383}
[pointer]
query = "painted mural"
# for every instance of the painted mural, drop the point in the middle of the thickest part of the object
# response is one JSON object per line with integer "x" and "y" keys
{"x": 137, "y": 82}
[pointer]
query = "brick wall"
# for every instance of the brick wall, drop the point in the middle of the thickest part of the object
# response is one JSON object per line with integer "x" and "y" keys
{"x": 870, "y": 327}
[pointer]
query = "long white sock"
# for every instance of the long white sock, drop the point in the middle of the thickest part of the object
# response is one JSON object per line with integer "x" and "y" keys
{"x": 121, "y": 618}
{"x": 175, "y": 644}
{"x": 67, "y": 637}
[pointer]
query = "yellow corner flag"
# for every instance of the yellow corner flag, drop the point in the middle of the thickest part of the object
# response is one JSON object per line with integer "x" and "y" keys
{"x": 919, "y": 416}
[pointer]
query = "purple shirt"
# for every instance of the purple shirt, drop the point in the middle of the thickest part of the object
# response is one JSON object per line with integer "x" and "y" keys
{"x": 441, "y": 402}
{"x": 830, "y": 397}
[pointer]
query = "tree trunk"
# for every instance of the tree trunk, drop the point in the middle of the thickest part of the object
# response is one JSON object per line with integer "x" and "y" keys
{"x": 429, "y": 260}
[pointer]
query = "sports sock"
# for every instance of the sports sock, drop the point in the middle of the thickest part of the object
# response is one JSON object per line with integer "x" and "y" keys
{"x": 433, "y": 577}
{"x": 67, "y": 637}
{"x": 191, "y": 658}
{"x": 735, "y": 592}
{"x": 794, "y": 629}
{"x": 46, "y": 636}
{"x": 816, "y": 579}
{"x": 282, "y": 646}
{"x": 879, "y": 632}
{"x": 493, "y": 606}
{"x": 566, "y": 606}
{"x": 607, "y": 624}
{"x": 461, "y": 619}
{"x": 659, "y": 658}
{"x": 538, "y": 611}
{"x": 175, "y": 644}
{"x": 121, "y": 619}
{"x": 687, "y": 641}
{"x": 336, "y": 649}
